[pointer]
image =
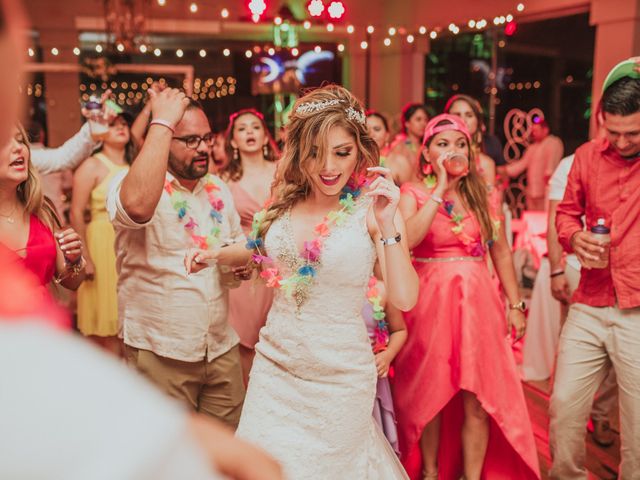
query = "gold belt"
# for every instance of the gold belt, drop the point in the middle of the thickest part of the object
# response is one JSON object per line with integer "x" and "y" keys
{"x": 447, "y": 259}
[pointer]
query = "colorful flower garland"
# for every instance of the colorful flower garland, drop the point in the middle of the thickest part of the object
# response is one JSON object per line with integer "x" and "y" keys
{"x": 182, "y": 207}
{"x": 380, "y": 339}
{"x": 474, "y": 246}
{"x": 297, "y": 283}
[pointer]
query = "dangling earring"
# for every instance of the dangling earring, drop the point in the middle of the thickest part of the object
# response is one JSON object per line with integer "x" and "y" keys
{"x": 265, "y": 151}
{"x": 427, "y": 169}
{"x": 236, "y": 154}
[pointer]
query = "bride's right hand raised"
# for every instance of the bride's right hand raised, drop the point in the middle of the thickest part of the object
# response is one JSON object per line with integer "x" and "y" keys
{"x": 196, "y": 260}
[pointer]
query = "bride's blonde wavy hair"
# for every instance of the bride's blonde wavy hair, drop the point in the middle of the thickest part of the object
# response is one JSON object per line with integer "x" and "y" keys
{"x": 307, "y": 131}
{"x": 30, "y": 191}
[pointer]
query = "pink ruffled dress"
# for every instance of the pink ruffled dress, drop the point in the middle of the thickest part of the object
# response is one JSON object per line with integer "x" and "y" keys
{"x": 458, "y": 341}
{"x": 249, "y": 304}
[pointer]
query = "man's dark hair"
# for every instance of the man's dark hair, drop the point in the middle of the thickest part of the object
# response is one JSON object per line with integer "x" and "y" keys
{"x": 622, "y": 97}
{"x": 195, "y": 104}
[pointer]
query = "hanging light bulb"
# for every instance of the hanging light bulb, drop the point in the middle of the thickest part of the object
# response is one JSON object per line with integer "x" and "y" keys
{"x": 315, "y": 8}
{"x": 336, "y": 9}
{"x": 179, "y": 53}
{"x": 257, "y": 8}
{"x": 193, "y": 7}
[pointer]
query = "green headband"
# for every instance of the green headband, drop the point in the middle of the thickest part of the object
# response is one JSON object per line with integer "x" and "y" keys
{"x": 625, "y": 69}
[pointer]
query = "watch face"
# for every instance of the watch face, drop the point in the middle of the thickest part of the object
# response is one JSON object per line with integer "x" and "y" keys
{"x": 519, "y": 306}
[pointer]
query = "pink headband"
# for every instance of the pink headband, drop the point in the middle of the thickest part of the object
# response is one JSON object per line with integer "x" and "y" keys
{"x": 453, "y": 123}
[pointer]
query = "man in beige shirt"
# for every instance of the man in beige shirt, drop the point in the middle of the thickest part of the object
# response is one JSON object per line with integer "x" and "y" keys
{"x": 175, "y": 326}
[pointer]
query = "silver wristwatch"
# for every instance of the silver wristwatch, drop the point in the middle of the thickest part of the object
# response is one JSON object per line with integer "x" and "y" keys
{"x": 391, "y": 241}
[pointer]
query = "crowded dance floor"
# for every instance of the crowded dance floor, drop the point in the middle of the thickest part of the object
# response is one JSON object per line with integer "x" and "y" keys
{"x": 319, "y": 240}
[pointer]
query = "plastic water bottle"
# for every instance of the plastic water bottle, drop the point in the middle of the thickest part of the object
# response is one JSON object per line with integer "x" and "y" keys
{"x": 602, "y": 234}
{"x": 97, "y": 123}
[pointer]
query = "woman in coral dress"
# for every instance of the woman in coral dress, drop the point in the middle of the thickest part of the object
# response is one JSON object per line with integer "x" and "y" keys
{"x": 459, "y": 401}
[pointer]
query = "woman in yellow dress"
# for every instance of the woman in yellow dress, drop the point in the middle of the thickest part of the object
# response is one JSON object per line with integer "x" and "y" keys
{"x": 97, "y": 301}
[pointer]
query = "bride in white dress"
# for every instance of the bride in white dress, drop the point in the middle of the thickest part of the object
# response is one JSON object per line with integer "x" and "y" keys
{"x": 312, "y": 387}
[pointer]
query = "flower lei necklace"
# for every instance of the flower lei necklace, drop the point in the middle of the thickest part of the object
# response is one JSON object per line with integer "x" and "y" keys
{"x": 182, "y": 207}
{"x": 474, "y": 246}
{"x": 380, "y": 339}
{"x": 297, "y": 283}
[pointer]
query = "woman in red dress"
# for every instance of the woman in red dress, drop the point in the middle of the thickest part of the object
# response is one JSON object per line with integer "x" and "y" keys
{"x": 27, "y": 220}
{"x": 460, "y": 406}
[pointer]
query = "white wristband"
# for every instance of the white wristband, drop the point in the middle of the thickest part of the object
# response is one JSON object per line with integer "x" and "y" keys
{"x": 164, "y": 123}
{"x": 437, "y": 199}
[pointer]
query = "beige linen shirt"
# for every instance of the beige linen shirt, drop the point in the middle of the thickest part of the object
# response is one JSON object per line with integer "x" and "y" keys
{"x": 161, "y": 308}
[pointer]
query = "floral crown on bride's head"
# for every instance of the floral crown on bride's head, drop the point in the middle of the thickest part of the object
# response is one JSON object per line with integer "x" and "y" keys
{"x": 318, "y": 106}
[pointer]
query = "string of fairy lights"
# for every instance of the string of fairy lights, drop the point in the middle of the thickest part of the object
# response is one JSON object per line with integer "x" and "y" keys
{"x": 133, "y": 92}
{"x": 324, "y": 15}
{"x": 328, "y": 17}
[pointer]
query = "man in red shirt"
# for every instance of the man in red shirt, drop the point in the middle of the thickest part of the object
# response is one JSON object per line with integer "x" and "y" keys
{"x": 603, "y": 325}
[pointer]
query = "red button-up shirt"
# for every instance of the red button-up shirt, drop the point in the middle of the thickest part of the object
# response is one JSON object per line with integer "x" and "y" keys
{"x": 602, "y": 184}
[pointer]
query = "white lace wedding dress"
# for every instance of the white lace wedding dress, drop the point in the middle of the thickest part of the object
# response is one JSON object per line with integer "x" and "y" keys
{"x": 310, "y": 397}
